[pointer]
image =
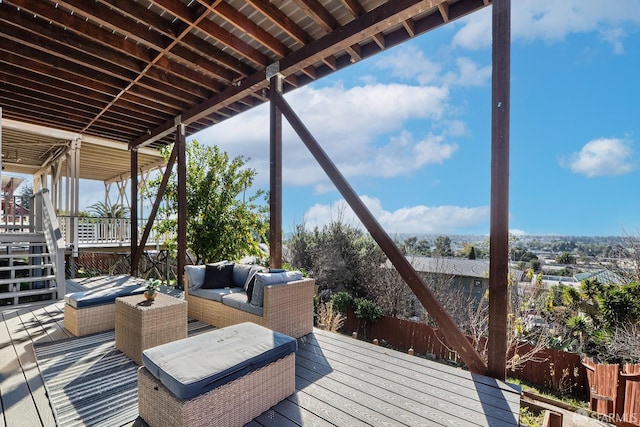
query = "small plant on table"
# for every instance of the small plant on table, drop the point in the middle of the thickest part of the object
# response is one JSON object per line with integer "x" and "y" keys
{"x": 151, "y": 286}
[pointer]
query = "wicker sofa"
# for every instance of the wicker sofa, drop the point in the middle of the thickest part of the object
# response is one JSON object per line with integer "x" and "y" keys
{"x": 279, "y": 300}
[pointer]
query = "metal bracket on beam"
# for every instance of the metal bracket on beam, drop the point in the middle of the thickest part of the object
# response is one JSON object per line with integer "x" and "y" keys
{"x": 273, "y": 70}
{"x": 177, "y": 120}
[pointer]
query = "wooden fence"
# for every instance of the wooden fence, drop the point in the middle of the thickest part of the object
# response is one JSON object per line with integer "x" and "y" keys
{"x": 614, "y": 392}
{"x": 554, "y": 369}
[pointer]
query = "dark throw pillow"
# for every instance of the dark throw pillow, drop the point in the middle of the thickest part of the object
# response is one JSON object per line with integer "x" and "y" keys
{"x": 217, "y": 276}
{"x": 251, "y": 281}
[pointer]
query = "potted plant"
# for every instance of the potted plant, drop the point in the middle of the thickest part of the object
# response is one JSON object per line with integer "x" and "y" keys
{"x": 151, "y": 286}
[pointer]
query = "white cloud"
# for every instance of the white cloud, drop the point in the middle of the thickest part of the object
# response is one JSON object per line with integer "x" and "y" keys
{"x": 602, "y": 157}
{"x": 615, "y": 37}
{"x": 416, "y": 219}
{"x": 517, "y": 232}
{"x": 408, "y": 63}
{"x": 360, "y": 128}
{"x": 468, "y": 73}
{"x": 553, "y": 20}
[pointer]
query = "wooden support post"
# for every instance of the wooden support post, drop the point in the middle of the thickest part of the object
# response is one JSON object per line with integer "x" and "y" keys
{"x": 499, "y": 232}
{"x": 275, "y": 187}
{"x": 134, "y": 213}
{"x": 182, "y": 202}
{"x": 453, "y": 334}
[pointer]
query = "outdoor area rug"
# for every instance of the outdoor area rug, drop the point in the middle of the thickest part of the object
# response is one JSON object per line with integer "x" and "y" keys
{"x": 91, "y": 383}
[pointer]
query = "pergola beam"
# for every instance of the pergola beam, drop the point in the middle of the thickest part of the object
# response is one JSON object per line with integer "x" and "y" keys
{"x": 499, "y": 232}
{"x": 368, "y": 25}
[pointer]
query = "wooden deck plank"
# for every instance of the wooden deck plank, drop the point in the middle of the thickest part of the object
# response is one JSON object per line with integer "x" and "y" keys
{"x": 288, "y": 414}
{"x": 17, "y": 399}
{"x": 459, "y": 392}
{"x": 364, "y": 388}
{"x": 55, "y": 322}
{"x": 467, "y": 392}
{"x": 512, "y": 391}
{"x": 321, "y": 410}
{"x": 402, "y": 392}
{"x": 32, "y": 331}
{"x": 346, "y": 398}
{"x": 40, "y": 326}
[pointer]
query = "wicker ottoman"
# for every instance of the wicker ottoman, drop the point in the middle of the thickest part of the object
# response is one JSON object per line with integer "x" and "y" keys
{"x": 224, "y": 378}
{"x": 93, "y": 311}
{"x": 142, "y": 324}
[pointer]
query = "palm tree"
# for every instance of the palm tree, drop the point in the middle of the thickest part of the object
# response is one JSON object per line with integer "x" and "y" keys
{"x": 579, "y": 325}
{"x": 105, "y": 210}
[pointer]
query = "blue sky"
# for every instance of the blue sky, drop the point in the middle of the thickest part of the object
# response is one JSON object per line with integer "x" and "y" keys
{"x": 410, "y": 128}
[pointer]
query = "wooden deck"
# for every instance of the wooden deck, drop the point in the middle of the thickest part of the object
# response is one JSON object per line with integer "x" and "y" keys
{"x": 339, "y": 381}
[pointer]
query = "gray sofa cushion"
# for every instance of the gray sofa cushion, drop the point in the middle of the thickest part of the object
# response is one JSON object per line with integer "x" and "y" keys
{"x": 101, "y": 296}
{"x": 217, "y": 294}
{"x": 198, "y": 364}
{"x": 241, "y": 272}
{"x": 239, "y": 301}
{"x": 266, "y": 279}
{"x": 195, "y": 273}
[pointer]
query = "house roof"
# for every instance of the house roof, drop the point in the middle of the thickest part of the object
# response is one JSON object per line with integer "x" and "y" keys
{"x": 128, "y": 71}
{"x": 603, "y": 276}
{"x": 462, "y": 267}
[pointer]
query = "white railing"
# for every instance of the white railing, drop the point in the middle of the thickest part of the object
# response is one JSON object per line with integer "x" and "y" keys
{"x": 14, "y": 213}
{"x": 94, "y": 231}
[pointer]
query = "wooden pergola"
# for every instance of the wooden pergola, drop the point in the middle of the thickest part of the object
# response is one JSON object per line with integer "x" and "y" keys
{"x": 149, "y": 73}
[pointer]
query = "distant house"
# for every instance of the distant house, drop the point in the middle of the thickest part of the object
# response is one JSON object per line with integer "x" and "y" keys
{"x": 603, "y": 276}
{"x": 549, "y": 280}
{"x": 471, "y": 276}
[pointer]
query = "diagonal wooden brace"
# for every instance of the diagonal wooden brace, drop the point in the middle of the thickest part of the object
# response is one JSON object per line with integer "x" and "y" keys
{"x": 454, "y": 335}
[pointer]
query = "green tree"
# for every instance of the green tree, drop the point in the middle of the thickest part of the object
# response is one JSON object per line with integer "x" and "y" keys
{"x": 536, "y": 265}
{"x": 565, "y": 258}
{"x": 339, "y": 256}
{"x": 367, "y": 312}
{"x": 223, "y": 221}
{"x": 26, "y": 192}
{"x": 472, "y": 253}
{"x": 413, "y": 246}
{"x": 442, "y": 246}
{"x": 423, "y": 248}
{"x": 342, "y": 302}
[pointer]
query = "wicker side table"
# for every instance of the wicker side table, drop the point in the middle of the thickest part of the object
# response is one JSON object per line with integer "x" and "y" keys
{"x": 141, "y": 325}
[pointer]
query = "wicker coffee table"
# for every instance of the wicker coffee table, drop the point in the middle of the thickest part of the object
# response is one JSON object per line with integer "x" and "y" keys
{"x": 141, "y": 325}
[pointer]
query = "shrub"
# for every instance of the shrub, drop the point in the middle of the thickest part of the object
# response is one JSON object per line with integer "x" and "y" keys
{"x": 341, "y": 302}
{"x": 368, "y": 312}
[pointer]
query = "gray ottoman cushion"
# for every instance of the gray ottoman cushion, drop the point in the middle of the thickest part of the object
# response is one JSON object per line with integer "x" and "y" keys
{"x": 198, "y": 364}
{"x": 101, "y": 296}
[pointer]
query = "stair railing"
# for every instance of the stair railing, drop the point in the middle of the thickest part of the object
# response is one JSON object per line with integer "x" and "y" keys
{"x": 45, "y": 220}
